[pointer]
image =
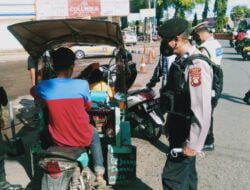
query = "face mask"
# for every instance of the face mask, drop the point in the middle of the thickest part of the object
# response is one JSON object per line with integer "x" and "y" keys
{"x": 165, "y": 49}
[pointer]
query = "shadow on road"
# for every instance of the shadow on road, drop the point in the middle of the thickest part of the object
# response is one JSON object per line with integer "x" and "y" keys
{"x": 230, "y": 53}
{"x": 232, "y": 98}
{"x": 136, "y": 185}
{"x": 234, "y": 58}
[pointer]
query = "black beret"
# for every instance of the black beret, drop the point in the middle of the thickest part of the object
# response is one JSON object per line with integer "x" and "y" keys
{"x": 172, "y": 28}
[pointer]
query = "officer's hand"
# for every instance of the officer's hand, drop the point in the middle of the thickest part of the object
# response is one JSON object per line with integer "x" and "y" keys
{"x": 189, "y": 152}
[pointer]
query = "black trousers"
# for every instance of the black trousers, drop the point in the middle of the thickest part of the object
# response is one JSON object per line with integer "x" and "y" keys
{"x": 180, "y": 174}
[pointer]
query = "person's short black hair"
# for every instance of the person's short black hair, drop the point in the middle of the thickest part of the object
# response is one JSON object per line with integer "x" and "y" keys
{"x": 63, "y": 59}
{"x": 95, "y": 76}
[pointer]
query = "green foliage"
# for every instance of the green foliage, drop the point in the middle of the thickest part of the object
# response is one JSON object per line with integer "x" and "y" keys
{"x": 205, "y": 11}
{"x": 247, "y": 13}
{"x": 195, "y": 21}
{"x": 136, "y": 5}
{"x": 239, "y": 12}
{"x": 243, "y": 25}
{"x": 220, "y": 9}
{"x": 181, "y": 6}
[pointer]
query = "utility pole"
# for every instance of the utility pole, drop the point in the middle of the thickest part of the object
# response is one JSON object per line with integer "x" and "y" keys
{"x": 154, "y": 22}
{"x": 149, "y": 22}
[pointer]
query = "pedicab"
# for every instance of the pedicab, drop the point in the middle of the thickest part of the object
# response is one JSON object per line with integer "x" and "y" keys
{"x": 39, "y": 38}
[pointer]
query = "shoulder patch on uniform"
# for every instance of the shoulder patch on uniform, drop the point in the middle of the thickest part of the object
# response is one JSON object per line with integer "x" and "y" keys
{"x": 195, "y": 74}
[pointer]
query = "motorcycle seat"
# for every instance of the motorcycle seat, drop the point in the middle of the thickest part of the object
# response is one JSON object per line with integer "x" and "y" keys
{"x": 137, "y": 91}
{"x": 71, "y": 153}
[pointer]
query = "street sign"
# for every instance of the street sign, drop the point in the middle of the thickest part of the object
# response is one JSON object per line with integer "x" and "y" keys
{"x": 147, "y": 13}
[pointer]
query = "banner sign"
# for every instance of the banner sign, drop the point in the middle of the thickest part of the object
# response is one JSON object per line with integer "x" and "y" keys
{"x": 47, "y": 9}
{"x": 84, "y": 8}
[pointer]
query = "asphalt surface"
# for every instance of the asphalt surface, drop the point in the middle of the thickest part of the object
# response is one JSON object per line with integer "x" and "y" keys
{"x": 227, "y": 167}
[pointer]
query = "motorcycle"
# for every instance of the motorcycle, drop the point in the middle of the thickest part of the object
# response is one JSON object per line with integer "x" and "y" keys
{"x": 240, "y": 36}
{"x": 245, "y": 52}
{"x": 233, "y": 39}
{"x": 65, "y": 168}
{"x": 143, "y": 106}
{"x": 144, "y": 113}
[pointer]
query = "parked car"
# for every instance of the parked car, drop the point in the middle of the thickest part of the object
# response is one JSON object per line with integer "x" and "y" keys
{"x": 129, "y": 37}
{"x": 92, "y": 51}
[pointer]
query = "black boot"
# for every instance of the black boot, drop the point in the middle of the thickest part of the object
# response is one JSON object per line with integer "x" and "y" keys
{"x": 8, "y": 186}
{"x": 247, "y": 98}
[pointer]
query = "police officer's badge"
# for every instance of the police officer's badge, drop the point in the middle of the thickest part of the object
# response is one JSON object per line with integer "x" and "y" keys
{"x": 195, "y": 74}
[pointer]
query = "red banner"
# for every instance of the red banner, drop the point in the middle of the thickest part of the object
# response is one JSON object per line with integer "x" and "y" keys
{"x": 84, "y": 8}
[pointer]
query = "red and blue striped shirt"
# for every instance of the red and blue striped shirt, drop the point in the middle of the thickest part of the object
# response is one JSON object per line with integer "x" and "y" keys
{"x": 67, "y": 101}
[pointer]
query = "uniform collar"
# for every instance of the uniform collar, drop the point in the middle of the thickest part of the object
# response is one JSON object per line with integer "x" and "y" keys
{"x": 191, "y": 51}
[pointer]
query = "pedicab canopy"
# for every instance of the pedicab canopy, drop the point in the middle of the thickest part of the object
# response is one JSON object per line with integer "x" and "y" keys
{"x": 38, "y": 36}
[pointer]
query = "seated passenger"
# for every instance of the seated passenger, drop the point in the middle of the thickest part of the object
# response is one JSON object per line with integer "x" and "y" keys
{"x": 94, "y": 76}
{"x": 67, "y": 101}
{"x": 96, "y": 81}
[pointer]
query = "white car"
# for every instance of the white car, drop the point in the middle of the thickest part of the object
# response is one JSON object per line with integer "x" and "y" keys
{"x": 93, "y": 51}
{"x": 129, "y": 37}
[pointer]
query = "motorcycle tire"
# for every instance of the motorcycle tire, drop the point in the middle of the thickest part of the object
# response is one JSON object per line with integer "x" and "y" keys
{"x": 152, "y": 131}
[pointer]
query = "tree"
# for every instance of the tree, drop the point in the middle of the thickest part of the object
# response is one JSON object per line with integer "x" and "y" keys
{"x": 220, "y": 9}
{"x": 136, "y": 5}
{"x": 161, "y": 5}
{"x": 195, "y": 21}
{"x": 248, "y": 13}
{"x": 181, "y": 6}
{"x": 205, "y": 11}
{"x": 238, "y": 13}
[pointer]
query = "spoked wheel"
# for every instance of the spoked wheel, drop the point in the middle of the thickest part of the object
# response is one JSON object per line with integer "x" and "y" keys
{"x": 152, "y": 131}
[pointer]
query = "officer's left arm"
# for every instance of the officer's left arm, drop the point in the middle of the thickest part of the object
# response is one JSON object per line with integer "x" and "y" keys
{"x": 200, "y": 84}
{"x": 156, "y": 75}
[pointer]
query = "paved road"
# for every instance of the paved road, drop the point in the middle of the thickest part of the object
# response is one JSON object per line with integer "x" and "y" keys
{"x": 228, "y": 167}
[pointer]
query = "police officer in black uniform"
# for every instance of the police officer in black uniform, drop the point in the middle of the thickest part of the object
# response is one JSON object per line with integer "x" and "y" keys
{"x": 161, "y": 70}
{"x": 4, "y": 185}
{"x": 187, "y": 99}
